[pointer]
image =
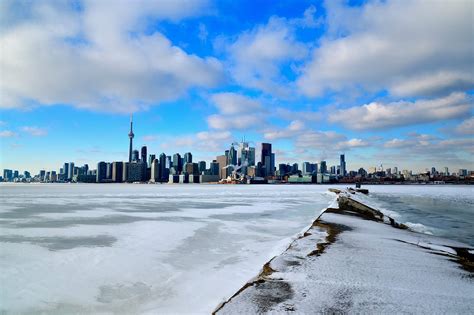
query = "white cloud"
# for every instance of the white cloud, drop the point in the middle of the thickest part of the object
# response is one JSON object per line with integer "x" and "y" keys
{"x": 294, "y": 128}
{"x": 466, "y": 127}
{"x": 234, "y": 122}
{"x": 410, "y": 48}
{"x": 202, "y": 143}
{"x": 287, "y": 114}
{"x": 99, "y": 57}
{"x": 233, "y": 103}
{"x": 257, "y": 55}
{"x": 379, "y": 115}
{"x": 35, "y": 131}
{"x": 7, "y": 134}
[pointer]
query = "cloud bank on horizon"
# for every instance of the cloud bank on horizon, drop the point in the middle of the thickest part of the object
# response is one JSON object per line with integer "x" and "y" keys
{"x": 383, "y": 81}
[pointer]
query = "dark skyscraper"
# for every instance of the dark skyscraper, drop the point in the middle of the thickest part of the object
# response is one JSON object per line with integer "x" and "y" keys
{"x": 323, "y": 167}
{"x": 130, "y": 135}
{"x": 101, "y": 172}
{"x": 188, "y": 157}
{"x": 177, "y": 162}
{"x": 143, "y": 154}
{"x": 117, "y": 172}
{"x": 135, "y": 156}
{"x": 342, "y": 165}
{"x": 268, "y": 159}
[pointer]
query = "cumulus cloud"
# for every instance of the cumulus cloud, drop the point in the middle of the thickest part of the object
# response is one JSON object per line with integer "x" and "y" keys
{"x": 466, "y": 127}
{"x": 233, "y": 103}
{"x": 294, "y": 128}
{"x": 98, "y": 57}
{"x": 378, "y": 115}
{"x": 233, "y": 122}
{"x": 257, "y": 55}
{"x": 287, "y": 114}
{"x": 34, "y": 131}
{"x": 410, "y": 48}
{"x": 7, "y": 134}
{"x": 203, "y": 143}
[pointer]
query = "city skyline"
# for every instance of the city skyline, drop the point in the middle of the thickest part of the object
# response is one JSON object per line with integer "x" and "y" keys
{"x": 199, "y": 77}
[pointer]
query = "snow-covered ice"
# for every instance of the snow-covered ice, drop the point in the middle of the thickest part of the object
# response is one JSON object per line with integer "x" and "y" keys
{"x": 141, "y": 248}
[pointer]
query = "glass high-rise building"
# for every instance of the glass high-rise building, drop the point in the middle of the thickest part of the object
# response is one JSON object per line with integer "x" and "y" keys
{"x": 342, "y": 165}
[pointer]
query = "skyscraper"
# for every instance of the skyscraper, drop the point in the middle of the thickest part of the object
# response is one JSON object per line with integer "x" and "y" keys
{"x": 135, "y": 156}
{"x": 268, "y": 159}
{"x": 177, "y": 162}
{"x": 342, "y": 165}
{"x": 232, "y": 158}
{"x": 130, "y": 135}
{"x": 101, "y": 172}
{"x": 164, "y": 171}
{"x": 323, "y": 167}
{"x": 143, "y": 154}
{"x": 188, "y": 157}
{"x": 117, "y": 172}
{"x": 70, "y": 172}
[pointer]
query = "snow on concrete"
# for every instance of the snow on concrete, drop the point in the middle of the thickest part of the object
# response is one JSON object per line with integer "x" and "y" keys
{"x": 372, "y": 268}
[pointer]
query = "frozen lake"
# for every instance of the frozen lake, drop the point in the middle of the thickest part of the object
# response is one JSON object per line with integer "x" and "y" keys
{"x": 142, "y": 248}
{"x": 118, "y": 248}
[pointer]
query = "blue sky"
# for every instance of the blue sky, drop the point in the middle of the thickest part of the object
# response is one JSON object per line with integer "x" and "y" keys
{"x": 385, "y": 82}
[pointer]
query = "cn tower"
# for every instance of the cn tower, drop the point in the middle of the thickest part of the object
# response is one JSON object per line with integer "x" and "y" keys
{"x": 130, "y": 135}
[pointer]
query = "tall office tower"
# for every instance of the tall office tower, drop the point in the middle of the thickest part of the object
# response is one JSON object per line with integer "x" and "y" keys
{"x": 125, "y": 172}
{"x": 65, "y": 171}
{"x": 7, "y": 175}
{"x": 155, "y": 171}
{"x": 232, "y": 156}
{"x": 15, "y": 174}
{"x": 164, "y": 171}
{"x": 42, "y": 174}
{"x": 101, "y": 172}
{"x": 169, "y": 162}
{"x": 266, "y": 159}
{"x": 333, "y": 170}
{"x": 53, "y": 176}
{"x": 130, "y": 135}
{"x": 27, "y": 174}
{"x": 306, "y": 169}
{"x": 117, "y": 172}
{"x": 251, "y": 156}
{"x": 395, "y": 170}
{"x": 137, "y": 172}
{"x": 86, "y": 168}
{"x": 272, "y": 164}
{"x": 446, "y": 171}
{"x": 294, "y": 168}
{"x": 201, "y": 167}
{"x": 214, "y": 168}
{"x": 177, "y": 163}
{"x": 222, "y": 161}
{"x": 151, "y": 157}
{"x": 433, "y": 170}
{"x": 342, "y": 165}
{"x": 70, "y": 170}
{"x": 323, "y": 167}
{"x": 188, "y": 157}
{"x": 143, "y": 154}
{"x": 135, "y": 156}
{"x": 109, "y": 171}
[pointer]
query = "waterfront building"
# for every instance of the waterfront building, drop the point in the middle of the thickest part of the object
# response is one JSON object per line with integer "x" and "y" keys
{"x": 202, "y": 167}
{"x": 232, "y": 157}
{"x": 130, "y": 136}
{"x": 143, "y": 154}
{"x": 214, "y": 168}
{"x": 306, "y": 168}
{"x": 42, "y": 175}
{"x": 222, "y": 162}
{"x": 268, "y": 159}
{"x": 188, "y": 157}
{"x": 136, "y": 172}
{"x": 164, "y": 170}
{"x": 117, "y": 172}
{"x": 135, "y": 156}
{"x": 65, "y": 171}
{"x": 7, "y": 175}
{"x": 155, "y": 171}
{"x": 251, "y": 156}
{"x": 446, "y": 171}
{"x": 151, "y": 157}
{"x": 342, "y": 165}
{"x": 177, "y": 163}
{"x": 125, "y": 172}
{"x": 27, "y": 174}
{"x": 70, "y": 172}
{"x": 395, "y": 171}
{"x": 323, "y": 167}
{"x": 109, "y": 171}
{"x": 101, "y": 172}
